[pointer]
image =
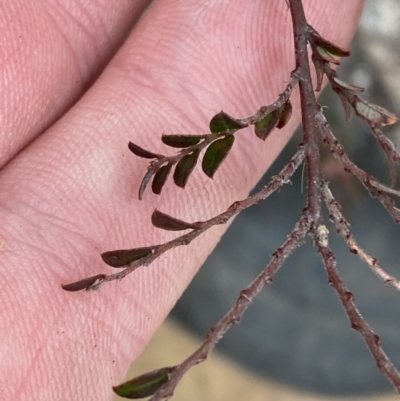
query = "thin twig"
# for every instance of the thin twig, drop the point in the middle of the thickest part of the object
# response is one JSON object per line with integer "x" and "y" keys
{"x": 357, "y": 322}
{"x": 389, "y": 147}
{"x": 275, "y": 183}
{"x": 342, "y": 227}
{"x": 384, "y": 142}
{"x": 282, "y": 98}
{"x": 205, "y": 140}
{"x": 368, "y": 180}
{"x": 383, "y": 188}
{"x": 235, "y": 314}
{"x": 311, "y": 221}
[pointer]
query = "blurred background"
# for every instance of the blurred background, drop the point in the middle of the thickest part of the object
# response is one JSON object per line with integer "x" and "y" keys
{"x": 295, "y": 341}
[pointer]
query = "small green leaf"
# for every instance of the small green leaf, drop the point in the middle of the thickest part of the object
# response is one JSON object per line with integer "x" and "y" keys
{"x": 138, "y": 151}
{"x": 185, "y": 167}
{"x": 223, "y": 122}
{"x": 146, "y": 179}
{"x": 181, "y": 141}
{"x": 144, "y": 385}
{"x": 82, "y": 284}
{"x": 169, "y": 223}
{"x": 264, "y": 127}
{"x": 215, "y": 154}
{"x": 373, "y": 113}
{"x": 285, "y": 114}
{"x": 160, "y": 178}
{"x": 125, "y": 257}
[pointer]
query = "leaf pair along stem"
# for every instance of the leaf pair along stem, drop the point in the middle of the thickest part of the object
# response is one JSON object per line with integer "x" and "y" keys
{"x": 217, "y": 143}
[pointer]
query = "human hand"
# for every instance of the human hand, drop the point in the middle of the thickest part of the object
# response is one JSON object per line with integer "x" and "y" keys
{"x": 72, "y": 193}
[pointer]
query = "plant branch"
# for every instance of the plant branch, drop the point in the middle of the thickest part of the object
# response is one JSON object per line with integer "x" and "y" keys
{"x": 276, "y": 182}
{"x": 222, "y": 126}
{"x": 374, "y": 115}
{"x": 235, "y": 314}
{"x": 309, "y": 110}
{"x": 371, "y": 183}
{"x": 357, "y": 321}
{"x": 342, "y": 227}
{"x": 160, "y": 384}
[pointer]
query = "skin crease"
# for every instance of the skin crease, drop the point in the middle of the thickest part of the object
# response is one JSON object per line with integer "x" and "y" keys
{"x": 72, "y": 193}
{"x": 51, "y": 50}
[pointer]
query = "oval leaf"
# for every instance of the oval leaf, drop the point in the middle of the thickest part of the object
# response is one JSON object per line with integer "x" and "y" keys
{"x": 160, "y": 178}
{"x": 145, "y": 181}
{"x": 285, "y": 114}
{"x": 84, "y": 284}
{"x": 181, "y": 141}
{"x": 125, "y": 257}
{"x": 166, "y": 222}
{"x": 215, "y": 154}
{"x": 373, "y": 113}
{"x": 185, "y": 167}
{"x": 223, "y": 122}
{"x": 264, "y": 127}
{"x": 138, "y": 151}
{"x": 144, "y": 385}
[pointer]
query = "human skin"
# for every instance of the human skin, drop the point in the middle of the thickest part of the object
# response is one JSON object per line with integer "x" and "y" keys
{"x": 69, "y": 184}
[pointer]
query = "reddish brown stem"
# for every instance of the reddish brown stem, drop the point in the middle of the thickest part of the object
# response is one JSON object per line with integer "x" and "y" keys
{"x": 356, "y": 320}
{"x": 235, "y": 314}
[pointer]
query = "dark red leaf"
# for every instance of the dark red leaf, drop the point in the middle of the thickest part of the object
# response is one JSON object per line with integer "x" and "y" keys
{"x": 215, "y": 154}
{"x": 160, "y": 178}
{"x": 138, "y": 151}
{"x": 167, "y": 222}
{"x": 84, "y": 284}
{"x": 181, "y": 141}
{"x": 125, "y": 257}
{"x": 185, "y": 167}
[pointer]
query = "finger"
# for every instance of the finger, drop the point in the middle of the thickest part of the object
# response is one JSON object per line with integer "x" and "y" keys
{"x": 50, "y": 52}
{"x": 71, "y": 195}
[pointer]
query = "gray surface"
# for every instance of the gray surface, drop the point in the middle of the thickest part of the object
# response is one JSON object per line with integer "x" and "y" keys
{"x": 296, "y": 330}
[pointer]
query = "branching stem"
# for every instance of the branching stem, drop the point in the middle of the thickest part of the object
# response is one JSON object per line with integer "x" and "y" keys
{"x": 342, "y": 227}
{"x": 162, "y": 382}
{"x": 235, "y": 314}
{"x": 357, "y": 321}
{"x": 309, "y": 110}
{"x": 276, "y": 182}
